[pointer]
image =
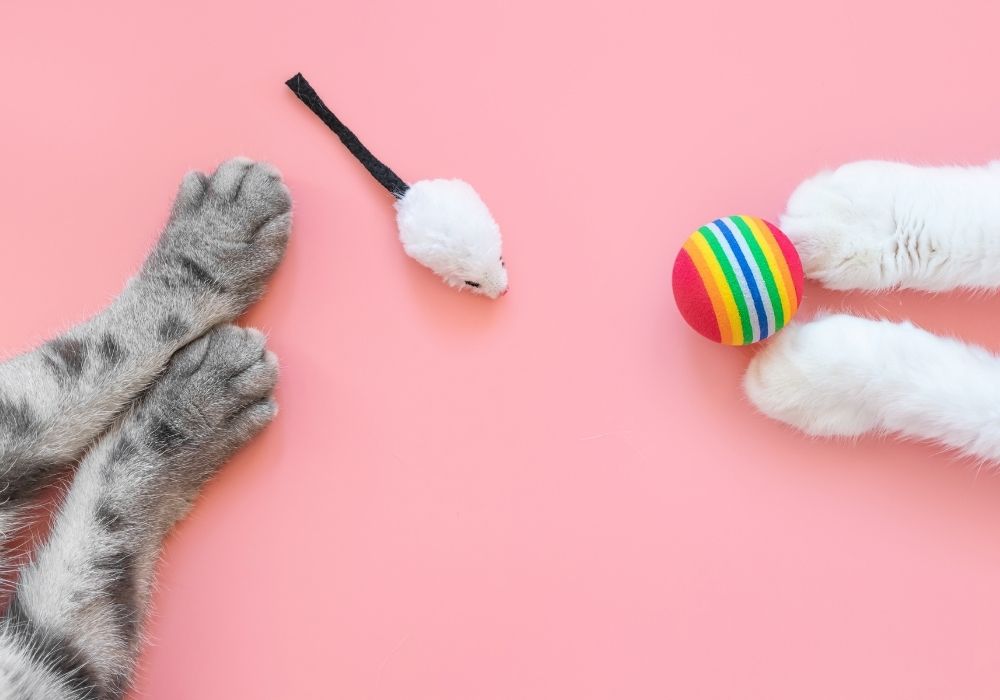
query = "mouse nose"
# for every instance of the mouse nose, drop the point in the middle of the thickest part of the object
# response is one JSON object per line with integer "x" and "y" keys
{"x": 504, "y": 292}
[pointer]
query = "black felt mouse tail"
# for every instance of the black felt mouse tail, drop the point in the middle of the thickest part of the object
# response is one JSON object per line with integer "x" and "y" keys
{"x": 379, "y": 170}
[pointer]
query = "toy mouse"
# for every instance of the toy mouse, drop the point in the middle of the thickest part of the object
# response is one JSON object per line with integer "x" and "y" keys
{"x": 443, "y": 224}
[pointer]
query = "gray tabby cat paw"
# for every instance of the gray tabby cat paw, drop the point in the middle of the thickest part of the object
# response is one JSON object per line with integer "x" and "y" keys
{"x": 226, "y": 235}
{"x": 215, "y": 395}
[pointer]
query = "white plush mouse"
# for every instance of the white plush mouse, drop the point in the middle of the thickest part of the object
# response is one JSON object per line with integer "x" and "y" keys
{"x": 443, "y": 224}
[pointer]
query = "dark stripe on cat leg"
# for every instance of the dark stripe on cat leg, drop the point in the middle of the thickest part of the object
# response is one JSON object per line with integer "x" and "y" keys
{"x": 121, "y": 569}
{"x": 172, "y": 328}
{"x": 66, "y": 357}
{"x": 109, "y": 519}
{"x": 196, "y": 275}
{"x": 163, "y": 436}
{"x": 111, "y": 350}
{"x": 54, "y": 651}
{"x": 18, "y": 418}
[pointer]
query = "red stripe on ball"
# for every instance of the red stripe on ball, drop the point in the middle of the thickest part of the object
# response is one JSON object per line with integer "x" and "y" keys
{"x": 791, "y": 257}
{"x": 692, "y": 298}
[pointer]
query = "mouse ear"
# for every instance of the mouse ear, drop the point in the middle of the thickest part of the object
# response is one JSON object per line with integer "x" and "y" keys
{"x": 379, "y": 170}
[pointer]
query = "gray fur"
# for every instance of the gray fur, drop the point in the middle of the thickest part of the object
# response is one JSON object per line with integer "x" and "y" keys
{"x": 152, "y": 396}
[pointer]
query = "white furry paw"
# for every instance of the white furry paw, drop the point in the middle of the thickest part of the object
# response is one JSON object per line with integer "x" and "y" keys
{"x": 843, "y": 225}
{"x": 817, "y": 376}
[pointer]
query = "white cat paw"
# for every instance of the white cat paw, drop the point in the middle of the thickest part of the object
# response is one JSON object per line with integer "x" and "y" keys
{"x": 817, "y": 377}
{"x": 842, "y": 225}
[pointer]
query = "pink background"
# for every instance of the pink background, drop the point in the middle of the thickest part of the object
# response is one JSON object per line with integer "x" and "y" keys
{"x": 562, "y": 494}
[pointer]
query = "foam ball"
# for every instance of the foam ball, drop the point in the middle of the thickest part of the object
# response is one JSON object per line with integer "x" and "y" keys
{"x": 737, "y": 280}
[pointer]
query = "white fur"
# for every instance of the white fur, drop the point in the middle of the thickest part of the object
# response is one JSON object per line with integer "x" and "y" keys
{"x": 445, "y": 225}
{"x": 875, "y": 225}
{"x": 846, "y": 376}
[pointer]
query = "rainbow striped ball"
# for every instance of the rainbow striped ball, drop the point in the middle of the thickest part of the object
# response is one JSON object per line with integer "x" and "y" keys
{"x": 737, "y": 280}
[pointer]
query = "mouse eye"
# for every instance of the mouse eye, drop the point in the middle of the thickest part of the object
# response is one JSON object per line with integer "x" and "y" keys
{"x": 502, "y": 263}
{"x": 473, "y": 284}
